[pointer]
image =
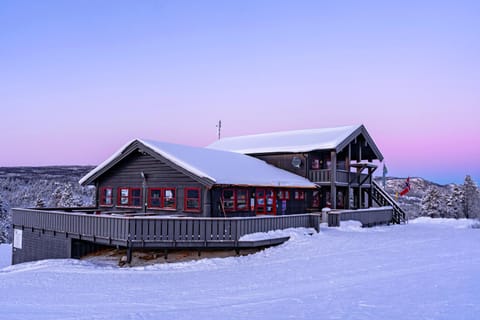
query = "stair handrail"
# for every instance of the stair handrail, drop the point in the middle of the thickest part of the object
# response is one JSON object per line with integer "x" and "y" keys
{"x": 396, "y": 208}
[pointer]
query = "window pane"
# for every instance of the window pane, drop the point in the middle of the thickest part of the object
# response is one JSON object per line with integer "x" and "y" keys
{"x": 241, "y": 199}
{"x": 169, "y": 193}
{"x": 229, "y": 200}
{"x": 136, "y": 202}
{"x": 155, "y": 198}
{"x": 169, "y": 198}
{"x": 193, "y": 204}
{"x": 228, "y": 194}
{"x": 135, "y": 192}
{"x": 193, "y": 193}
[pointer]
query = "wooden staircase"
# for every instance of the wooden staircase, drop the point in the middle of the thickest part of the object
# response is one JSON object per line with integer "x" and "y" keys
{"x": 382, "y": 198}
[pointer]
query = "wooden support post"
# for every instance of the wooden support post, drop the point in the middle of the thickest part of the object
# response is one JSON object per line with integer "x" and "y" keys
{"x": 207, "y": 202}
{"x": 333, "y": 179}
{"x": 129, "y": 254}
{"x": 370, "y": 203}
{"x": 348, "y": 170}
{"x": 369, "y": 193}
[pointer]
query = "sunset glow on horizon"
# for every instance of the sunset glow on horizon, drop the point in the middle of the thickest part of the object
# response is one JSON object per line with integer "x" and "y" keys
{"x": 80, "y": 79}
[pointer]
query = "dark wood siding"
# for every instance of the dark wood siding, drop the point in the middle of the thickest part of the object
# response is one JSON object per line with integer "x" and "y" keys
{"x": 127, "y": 173}
{"x": 284, "y": 161}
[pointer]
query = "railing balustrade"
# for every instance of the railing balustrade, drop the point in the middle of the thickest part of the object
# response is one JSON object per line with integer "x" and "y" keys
{"x": 153, "y": 229}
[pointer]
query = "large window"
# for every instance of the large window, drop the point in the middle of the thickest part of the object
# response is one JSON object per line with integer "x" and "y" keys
{"x": 242, "y": 200}
{"x": 283, "y": 195}
{"x": 162, "y": 198}
{"x": 229, "y": 200}
{"x": 299, "y": 195}
{"x": 192, "y": 200}
{"x": 106, "y": 196}
{"x": 129, "y": 197}
{"x": 235, "y": 200}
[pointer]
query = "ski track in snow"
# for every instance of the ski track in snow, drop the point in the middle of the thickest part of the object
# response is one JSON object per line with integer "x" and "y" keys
{"x": 427, "y": 269}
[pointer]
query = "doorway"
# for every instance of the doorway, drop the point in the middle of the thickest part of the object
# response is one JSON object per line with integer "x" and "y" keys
{"x": 266, "y": 202}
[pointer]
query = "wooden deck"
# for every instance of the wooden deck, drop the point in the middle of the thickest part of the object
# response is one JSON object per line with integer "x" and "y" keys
{"x": 156, "y": 232}
{"x": 57, "y": 233}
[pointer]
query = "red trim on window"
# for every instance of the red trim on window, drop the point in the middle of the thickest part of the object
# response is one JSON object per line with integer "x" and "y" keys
{"x": 149, "y": 200}
{"x": 266, "y": 202}
{"x": 186, "y": 200}
{"x": 129, "y": 197}
{"x": 119, "y": 197}
{"x": 247, "y": 200}
{"x": 238, "y": 202}
{"x": 134, "y": 199}
{"x": 103, "y": 197}
{"x": 162, "y": 199}
{"x": 173, "y": 199}
{"x": 233, "y": 200}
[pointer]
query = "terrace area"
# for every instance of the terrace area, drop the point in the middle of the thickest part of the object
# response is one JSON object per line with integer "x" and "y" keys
{"x": 64, "y": 232}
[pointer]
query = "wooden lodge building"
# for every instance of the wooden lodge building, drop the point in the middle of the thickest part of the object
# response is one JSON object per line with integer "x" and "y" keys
{"x": 163, "y": 178}
{"x": 274, "y": 174}
{"x": 152, "y": 194}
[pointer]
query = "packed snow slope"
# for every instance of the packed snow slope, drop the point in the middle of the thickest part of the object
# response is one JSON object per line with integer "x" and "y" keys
{"x": 428, "y": 269}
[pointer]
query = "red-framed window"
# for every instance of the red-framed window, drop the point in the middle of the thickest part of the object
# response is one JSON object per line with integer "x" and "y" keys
{"x": 129, "y": 197}
{"x": 235, "y": 199}
{"x": 299, "y": 195}
{"x": 283, "y": 195}
{"x": 162, "y": 198}
{"x": 242, "y": 200}
{"x": 192, "y": 200}
{"x": 106, "y": 196}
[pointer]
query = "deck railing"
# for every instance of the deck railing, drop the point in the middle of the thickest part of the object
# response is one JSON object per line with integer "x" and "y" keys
{"x": 369, "y": 217}
{"x": 342, "y": 176}
{"x": 150, "y": 231}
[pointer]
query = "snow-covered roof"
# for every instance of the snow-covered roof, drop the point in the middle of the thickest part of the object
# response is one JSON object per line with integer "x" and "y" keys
{"x": 287, "y": 141}
{"x": 220, "y": 167}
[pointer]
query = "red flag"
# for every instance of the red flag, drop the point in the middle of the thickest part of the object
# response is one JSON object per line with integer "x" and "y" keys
{"x": 406, "y": 187}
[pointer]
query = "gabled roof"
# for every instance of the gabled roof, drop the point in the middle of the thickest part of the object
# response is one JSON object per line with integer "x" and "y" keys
{"x": 296, "y": 141}
{"x": 208, "y": 166}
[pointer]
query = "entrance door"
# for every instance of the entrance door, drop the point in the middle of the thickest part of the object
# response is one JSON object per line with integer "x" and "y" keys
{"x": 266, "y": 202}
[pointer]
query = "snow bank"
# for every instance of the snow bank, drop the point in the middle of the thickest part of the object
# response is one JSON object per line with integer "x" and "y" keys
{"x": 293, "y": 233}
{"x": 349, "y": 226}
{"x": 457, "y": 223}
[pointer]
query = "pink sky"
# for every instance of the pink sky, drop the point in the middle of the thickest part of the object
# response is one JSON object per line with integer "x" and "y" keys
{"x": 80, "y": 80}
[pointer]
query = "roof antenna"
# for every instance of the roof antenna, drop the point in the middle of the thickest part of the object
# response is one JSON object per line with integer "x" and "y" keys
{"x": 219, "y": 128}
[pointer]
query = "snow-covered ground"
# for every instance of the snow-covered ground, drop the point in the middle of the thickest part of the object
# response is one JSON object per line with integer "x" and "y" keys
{"x": 428, "y": 269}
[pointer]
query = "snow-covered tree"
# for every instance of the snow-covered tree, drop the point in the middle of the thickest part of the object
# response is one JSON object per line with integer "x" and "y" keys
{"x": 431, "y": 204}
{"x": 40, "y": 203}
{"x": 5, "y": 222}
{"x": 77, "y": 201}
{"x": 455, "y": 203}
{"x": 57, "y": 196}
{"x": 66, "y": 200}
{"x": 471, "y": 198}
